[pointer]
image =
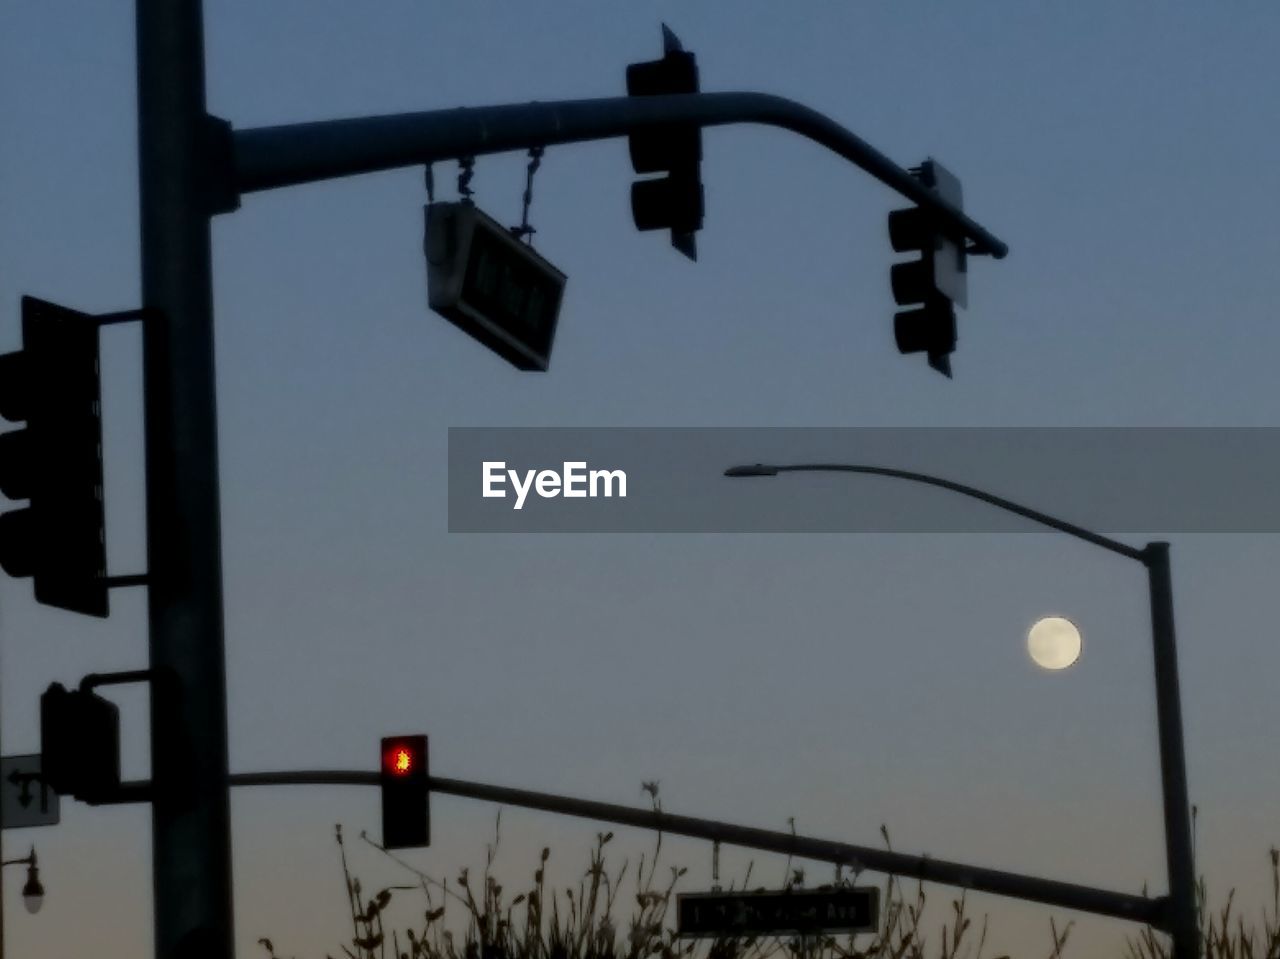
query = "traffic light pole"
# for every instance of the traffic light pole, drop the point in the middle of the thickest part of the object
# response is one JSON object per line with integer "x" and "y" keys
{"x": 192, "y": 166}
{"x": 1103, "y": 902}
{"x": 190, "y": 811}
{"x": 1, "y": 815}
{"x": 272, "y": 157}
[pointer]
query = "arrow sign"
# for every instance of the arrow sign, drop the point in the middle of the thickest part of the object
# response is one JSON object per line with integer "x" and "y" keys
{"x": 854, "y": 909}
{"x": 25, "y": 801}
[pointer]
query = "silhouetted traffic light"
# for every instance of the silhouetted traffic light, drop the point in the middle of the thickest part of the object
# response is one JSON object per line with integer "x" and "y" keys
{"x": 675, "y": 201}
{"x": 56, "y": 461}
{"x": 79, "y": 743}
{"x": 406, "y": 819}
{"x": 934, "y": 284}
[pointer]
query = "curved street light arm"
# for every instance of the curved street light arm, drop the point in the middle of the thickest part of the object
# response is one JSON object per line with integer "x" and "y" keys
{"x": 27, "y": 860}
{"x": 1044, "y": 519}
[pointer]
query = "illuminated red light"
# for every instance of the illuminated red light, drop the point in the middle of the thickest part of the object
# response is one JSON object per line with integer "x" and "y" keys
{"x": 400, "y": 760}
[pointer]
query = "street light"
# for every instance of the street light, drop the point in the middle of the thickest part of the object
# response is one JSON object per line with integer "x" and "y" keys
{"x": 33, "y": 891}
{"x": 1178, "y": 918}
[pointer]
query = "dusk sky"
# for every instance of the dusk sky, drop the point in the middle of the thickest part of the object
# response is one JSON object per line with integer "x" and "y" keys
{"x": 1125, "y": 153}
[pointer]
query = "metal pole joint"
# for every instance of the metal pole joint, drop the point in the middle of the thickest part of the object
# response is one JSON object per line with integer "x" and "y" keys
{"x": 218, "y": 166}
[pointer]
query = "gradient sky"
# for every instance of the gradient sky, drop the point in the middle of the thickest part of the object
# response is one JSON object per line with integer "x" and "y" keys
{"x": 1125, "y": 155}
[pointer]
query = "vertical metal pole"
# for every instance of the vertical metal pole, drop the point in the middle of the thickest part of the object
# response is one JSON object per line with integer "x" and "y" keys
{"x": 191, "y": 835}
{"x": 1182, "y": 921}
{"x": 1, "y": 832}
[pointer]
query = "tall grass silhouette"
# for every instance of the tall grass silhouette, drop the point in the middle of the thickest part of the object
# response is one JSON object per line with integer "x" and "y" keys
{"x": 474, "y": 917}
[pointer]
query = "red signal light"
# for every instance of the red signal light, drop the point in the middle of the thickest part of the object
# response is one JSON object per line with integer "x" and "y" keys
{"x": 400, "y": 759}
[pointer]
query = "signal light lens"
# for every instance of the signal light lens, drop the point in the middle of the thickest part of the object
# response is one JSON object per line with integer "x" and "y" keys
{"x": 670, "y": 202}
{"x": 401, "y": 762}
{"x": 910, "y": 282}
{"x": 16, "y": 454}
{"x": 18, "y": 542}
{"x": 400, "y": 759}
{"x": 908, "y": 229}
{"x": 930, "y": 329}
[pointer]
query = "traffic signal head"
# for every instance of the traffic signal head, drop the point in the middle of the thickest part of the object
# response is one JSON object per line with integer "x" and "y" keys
{"x": 79, "y": 743}
{"x": 933, "y": 284}
{"x": 931, "y": 329}
{"x": 675, "y": 201}
{"x": 56, "y": 461}
{"x": 406, "y": 820}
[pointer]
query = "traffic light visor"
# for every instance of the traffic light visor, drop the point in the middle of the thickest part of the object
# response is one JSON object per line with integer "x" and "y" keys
{"x": 668, "y": 203}
{"x": 911, "y": 281}
{"x": 930, "y": 329}
{"x": 15, "y": 386}
{"x": 908, "y": 229}
{"x": 675, "y": 73}
{"x": 18, "y": 543}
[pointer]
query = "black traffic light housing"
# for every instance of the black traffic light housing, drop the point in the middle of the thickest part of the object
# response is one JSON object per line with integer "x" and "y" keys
{"x": 406, "y": 817}
{"x": 935, "y": 283}
{"x": 675, "y": 201}
{"x": 79, "y": 743}
{"x": 56, "y": 461}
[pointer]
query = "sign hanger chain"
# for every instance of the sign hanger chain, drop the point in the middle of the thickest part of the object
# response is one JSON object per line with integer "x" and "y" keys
{"x": 466, "y": 170}
{"x": 524, "y": 231}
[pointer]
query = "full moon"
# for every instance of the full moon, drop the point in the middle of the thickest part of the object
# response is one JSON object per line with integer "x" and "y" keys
{"x": 1054, "y": 642}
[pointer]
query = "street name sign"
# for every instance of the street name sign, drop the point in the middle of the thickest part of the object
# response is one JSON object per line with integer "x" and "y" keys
{"x": 850, "y": 909}
{"x": 483, "y": 280}
{"x": 25, "y": 800}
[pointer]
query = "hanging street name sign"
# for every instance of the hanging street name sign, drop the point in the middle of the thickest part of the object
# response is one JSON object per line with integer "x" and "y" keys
{"x": 846, "y": 910}
{"x": 485, "y": 281}
{"x": 25, "y": 800}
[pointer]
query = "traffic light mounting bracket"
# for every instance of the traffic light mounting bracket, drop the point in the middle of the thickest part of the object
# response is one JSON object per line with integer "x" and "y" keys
{"x": 93, "y": 680}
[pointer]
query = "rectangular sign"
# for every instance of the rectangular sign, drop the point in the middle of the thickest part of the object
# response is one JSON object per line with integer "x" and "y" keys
{"x": 486, "y": 282}
{"x": 855, "y": 909}
{"x": 25, "y": 801}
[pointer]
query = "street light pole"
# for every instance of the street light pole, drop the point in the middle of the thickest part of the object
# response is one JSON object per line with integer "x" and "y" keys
{"x": 1182, "y": 922}
{"x": 1179, "y": 920}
